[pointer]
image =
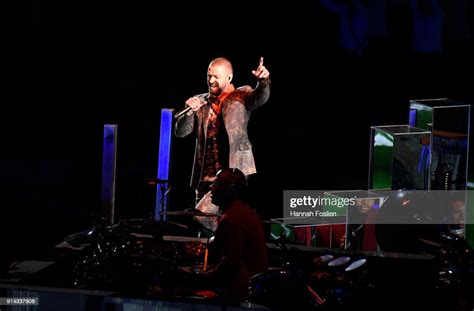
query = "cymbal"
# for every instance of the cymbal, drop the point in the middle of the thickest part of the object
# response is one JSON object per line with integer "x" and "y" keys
{"x": 339, "y": 261}
{"x": 323, "y": 259}
{"x": 356, "y": 264}
{"x": 189, "y": 213}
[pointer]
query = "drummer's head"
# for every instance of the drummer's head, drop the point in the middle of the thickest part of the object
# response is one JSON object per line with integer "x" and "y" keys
{"x": 230, "y": 185}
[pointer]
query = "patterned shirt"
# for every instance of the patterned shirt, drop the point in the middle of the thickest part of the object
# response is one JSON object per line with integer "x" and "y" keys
{"x": 216, "y": 153}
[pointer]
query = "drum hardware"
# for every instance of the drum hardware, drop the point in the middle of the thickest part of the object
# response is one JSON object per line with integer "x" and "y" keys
{"x": 193, "y": 212}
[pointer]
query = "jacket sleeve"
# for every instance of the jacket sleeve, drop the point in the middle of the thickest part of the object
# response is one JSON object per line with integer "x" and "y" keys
{"x": 184, "y": 125}
{"x": 261, "y": 94}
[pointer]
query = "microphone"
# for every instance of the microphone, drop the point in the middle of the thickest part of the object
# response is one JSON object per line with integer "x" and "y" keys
{"x": 181, "y": 112}
{"x": 187, "y": 108}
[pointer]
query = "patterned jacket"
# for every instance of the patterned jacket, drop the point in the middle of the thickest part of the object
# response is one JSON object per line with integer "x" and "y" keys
{"x": 236, "y": 110}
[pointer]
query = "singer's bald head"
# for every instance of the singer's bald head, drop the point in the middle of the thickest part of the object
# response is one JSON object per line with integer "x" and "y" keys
{"x": 222, "y": 62}
{"x": 219, "y": 75}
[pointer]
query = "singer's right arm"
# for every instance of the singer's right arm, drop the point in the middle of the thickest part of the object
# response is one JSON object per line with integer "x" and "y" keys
{"x": 184, "y": 125}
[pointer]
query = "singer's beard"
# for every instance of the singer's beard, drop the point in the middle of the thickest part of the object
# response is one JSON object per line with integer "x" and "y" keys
{"x": 215, "y": 91}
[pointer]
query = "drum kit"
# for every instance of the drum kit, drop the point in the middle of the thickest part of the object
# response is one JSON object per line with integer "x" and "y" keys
{"x": 159, "y": 258}
{"x": 331, "y": 282}
{"x": 138, "y": 256}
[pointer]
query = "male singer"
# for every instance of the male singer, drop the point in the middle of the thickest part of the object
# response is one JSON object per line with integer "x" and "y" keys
{"x": 220, "y": 118}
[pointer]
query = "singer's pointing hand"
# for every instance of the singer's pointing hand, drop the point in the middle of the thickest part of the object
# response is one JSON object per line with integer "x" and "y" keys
{"x": 195, "y": 103}
{"x": 261, "y": 72}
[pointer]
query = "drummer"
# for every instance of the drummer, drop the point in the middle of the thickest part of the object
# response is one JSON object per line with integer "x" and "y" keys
{"x": 239, "y": 249}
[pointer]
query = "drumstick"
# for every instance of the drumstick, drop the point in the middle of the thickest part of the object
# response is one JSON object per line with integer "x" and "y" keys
{"x": 205, "y": 260}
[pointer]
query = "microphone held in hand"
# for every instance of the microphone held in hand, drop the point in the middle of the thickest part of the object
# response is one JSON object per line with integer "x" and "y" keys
{"x": 188, "y": 108}
{"x": 182, "y": 111}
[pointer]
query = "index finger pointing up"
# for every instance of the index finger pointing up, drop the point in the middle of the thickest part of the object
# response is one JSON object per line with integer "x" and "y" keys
{"x": 260, "y": 64}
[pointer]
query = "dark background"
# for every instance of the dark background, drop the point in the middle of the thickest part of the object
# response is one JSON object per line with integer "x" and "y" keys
{"x": 71, "y": 67}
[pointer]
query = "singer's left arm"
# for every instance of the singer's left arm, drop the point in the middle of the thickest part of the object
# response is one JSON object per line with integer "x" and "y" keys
{"x": 261, "y": 93}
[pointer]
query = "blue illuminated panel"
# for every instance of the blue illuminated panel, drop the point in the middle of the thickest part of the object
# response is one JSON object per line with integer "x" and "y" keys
{"x": 108, "y": 171}
{"x": 164, "y": 162}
